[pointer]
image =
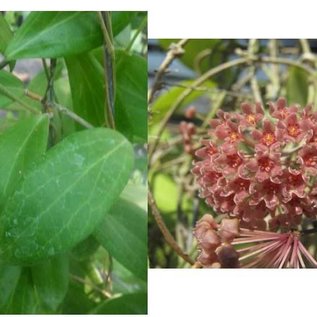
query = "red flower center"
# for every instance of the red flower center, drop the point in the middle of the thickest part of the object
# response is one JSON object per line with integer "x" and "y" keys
{"x": 294, "y": 180}
{"x": 268, "y": 138}
{"x": 310, "y": 160}
{"x": 293, "y": 130}
{"x": 271, "y": 187}
{"x": 242, "y": 184}
{"x": 234, "y": 160}
{"x": 265, "y": 164}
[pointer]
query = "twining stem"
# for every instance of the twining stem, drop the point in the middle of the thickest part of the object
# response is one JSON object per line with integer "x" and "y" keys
{"x": 49, "y": 93}
{"x": 60, "y": 108}
{"x": 175, "y": 51}
{"x": 166, "y": 233}
{"x": 109, "y": 67}
{"x": 46, "y": 71}
{"x": 4, "y": 91}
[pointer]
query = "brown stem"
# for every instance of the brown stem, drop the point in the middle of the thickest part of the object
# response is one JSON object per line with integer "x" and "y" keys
{"x": 109, "y": 67}
{"x": 60, "y": 108}
{"x": 166, "y": 233}
{"x": 175, "y": 51}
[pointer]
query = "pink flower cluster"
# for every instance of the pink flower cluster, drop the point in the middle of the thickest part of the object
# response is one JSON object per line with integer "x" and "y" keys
{"x": 261, "y": 167}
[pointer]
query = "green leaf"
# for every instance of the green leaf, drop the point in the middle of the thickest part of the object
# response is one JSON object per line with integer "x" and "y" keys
{"x": 123, "y": 232}
{"x": 125, "y": 304}
{"x": 24, "y": 300}
{"x": 51, "y": 279}
{"x": 9, "y": 278}
{"x": 87, "y": 86}
{"x": 131, "y": 96}
{"x": 55, "y": 34}
{"x": 21, "y": 146}
{"x": 12, "y": 84}
{"x": 5, "y": 33}
{"x": 120, "y": 20}
{"x": 297, "y": 86}
{"x": 163, "y": 103}
{"x": 59, "y": 203}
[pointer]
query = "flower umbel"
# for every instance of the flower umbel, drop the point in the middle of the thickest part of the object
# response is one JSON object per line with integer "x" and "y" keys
{"x": 253, "y": 161}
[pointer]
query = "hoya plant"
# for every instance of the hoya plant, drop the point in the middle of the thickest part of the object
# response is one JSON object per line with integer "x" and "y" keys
{"x": 73, "y": 235}
{"x": 233, "y": 154}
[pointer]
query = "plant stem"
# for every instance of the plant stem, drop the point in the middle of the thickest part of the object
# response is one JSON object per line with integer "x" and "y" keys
{"x": 175, "y": 50}
{"x": 4, "y": 91}
{"x": 60, "y": 108}
{"x": 166, "y": 233}
{"x": 109, "y": 67}
{"x": 49, "y": 93}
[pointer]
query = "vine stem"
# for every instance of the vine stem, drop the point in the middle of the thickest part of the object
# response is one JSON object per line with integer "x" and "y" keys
{"x": 7, "y": 93}
{"x": 164, "y": 230}
{"x": 175, "y": 51}
{"x": 60, "y": 108}
{"x": 109, "y": 66}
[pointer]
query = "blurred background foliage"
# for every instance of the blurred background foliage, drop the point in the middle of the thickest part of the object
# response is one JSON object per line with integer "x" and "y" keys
{"x": 207, "y": 75}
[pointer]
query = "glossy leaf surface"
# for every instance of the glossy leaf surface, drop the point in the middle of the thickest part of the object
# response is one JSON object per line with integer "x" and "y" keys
{"x": 22, "y": 145}
{"x": 55, "y": 34}
{"x": 120, "y": 20}
{"x": 60, "y": 202}
{"x": 131, "y": 102}
{"x": 5, "y": 33}
{"x": 87, "y": 86}
{"x": 12, "y": 84}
